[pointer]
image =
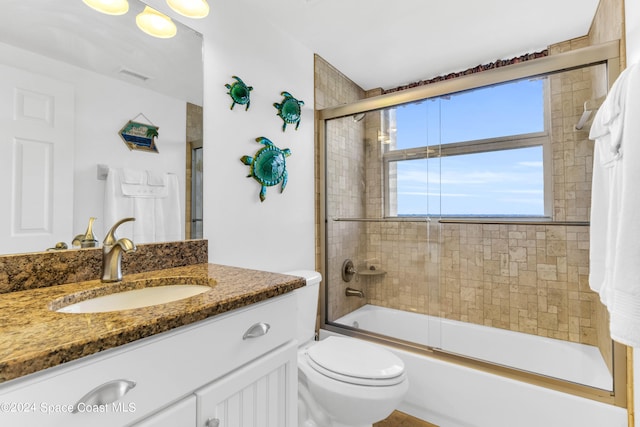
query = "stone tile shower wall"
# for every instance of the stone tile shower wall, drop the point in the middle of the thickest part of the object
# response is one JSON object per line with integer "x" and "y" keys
{"x": 345, "y": 196}
{"x": 409, "y": 252}
{"x": 345, "y": 199}
{"x": 526, "y": 278}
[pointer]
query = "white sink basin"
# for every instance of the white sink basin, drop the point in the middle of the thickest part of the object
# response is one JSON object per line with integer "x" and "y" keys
{"x": 136, "y": 298}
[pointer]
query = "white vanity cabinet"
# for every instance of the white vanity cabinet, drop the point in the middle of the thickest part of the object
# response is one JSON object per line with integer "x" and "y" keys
{"x": 261, "y": 394}
{"x": 179, "y": 414}
{"x": 159, "y": 376}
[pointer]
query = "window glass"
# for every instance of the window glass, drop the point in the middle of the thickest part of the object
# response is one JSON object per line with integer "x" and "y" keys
{"x": 472, "y": 153}
{"x": 494, "y": 183}
{"x": 506, "y": 109}
{"x": 494, "y": 111}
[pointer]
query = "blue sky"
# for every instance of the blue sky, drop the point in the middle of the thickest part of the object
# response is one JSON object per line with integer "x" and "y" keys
{"x": 491, "y": 183}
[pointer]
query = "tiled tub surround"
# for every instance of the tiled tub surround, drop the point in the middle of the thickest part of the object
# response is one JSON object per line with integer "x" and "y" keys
{"x": 525, "y": 278}
{"x": 34, "y": 337}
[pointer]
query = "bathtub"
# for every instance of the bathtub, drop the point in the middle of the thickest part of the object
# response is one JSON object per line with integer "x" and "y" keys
{"x": 451, "y": 395}
{"x": 579, "y": 363}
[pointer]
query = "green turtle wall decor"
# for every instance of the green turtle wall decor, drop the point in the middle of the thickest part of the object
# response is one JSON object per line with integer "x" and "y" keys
{"x": 239, "y": 92}
{"x": 268, "y": 166}
{"x": 289, "y": 110}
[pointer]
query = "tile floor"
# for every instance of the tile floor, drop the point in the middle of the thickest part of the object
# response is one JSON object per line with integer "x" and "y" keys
{"x": 400, "y": 419}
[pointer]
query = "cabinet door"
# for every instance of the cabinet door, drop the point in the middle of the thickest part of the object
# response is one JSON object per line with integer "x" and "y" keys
{"x": 182, "y": 413}
{"x": 263, "y": 393}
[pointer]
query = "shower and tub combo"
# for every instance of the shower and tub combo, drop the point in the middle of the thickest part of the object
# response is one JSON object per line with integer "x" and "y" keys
{"x": 468, "y": 251}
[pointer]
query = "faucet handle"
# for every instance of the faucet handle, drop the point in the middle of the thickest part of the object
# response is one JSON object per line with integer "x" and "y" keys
{"x": 88, "y": 239}
{"x": 110, "y": 238}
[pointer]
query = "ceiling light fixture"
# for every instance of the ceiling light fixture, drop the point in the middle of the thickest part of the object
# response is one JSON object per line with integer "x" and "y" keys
{"x": 190, "y": 8}
{"x": 110, "y": 7}
{"x": 155, "y": 23}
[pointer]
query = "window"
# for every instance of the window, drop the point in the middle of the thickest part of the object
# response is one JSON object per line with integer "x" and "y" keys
{"x": 474, "y": 153}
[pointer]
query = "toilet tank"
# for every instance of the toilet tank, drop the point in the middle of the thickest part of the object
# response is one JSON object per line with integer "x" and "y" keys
{"x": 307, "y": 301}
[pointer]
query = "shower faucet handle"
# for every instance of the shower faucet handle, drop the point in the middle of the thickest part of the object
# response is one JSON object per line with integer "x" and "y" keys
{"x": 348, "y": 270}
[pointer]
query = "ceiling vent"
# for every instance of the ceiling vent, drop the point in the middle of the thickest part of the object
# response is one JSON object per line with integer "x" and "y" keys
{"x": 130, "y": 73}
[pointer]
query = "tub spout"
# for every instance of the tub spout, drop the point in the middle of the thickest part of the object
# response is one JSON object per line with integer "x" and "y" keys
{"x": 350, "y": 292}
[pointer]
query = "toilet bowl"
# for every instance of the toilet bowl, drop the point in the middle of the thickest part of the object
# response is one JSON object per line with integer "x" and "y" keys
{"x": 352, "y": 382}
{"x": 342, "y": 381}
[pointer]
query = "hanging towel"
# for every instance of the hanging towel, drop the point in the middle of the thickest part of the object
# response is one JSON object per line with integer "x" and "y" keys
{"x": 156, "y": 208}
{"x": 130, "y": 176}
{"x": 615, "y": 207}
{"x": 169, "y": 225}
{"x": 156, "y": 179}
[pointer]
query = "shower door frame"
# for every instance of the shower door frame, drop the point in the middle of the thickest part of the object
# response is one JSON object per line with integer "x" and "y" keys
{"x": 607, "y": 54}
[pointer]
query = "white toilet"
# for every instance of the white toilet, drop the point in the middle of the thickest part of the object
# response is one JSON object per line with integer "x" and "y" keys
{"x": 342, "y": 382}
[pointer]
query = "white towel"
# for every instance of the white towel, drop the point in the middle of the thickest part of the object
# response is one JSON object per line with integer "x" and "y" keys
{"x": 156, "y": 179}
{"x": 130, "y": 176}
{"x": 157, "y": 209}
{"x": 615, "y": 207}
{"x": 169, "y": 224}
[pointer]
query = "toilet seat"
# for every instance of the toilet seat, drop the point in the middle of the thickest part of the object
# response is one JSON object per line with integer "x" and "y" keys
{"x": 355, "y": 362}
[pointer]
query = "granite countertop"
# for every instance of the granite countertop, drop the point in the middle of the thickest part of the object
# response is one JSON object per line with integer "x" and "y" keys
{"x": 34, "y": 337}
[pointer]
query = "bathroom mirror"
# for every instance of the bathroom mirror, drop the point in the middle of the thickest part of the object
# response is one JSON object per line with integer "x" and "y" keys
{"x": 107, "y": 72}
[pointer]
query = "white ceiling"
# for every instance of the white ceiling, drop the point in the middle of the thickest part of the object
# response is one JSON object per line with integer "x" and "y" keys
{"x": 388, "y": 43}
{"x": 376, "y": 43}
{"x": 71, "y": 32}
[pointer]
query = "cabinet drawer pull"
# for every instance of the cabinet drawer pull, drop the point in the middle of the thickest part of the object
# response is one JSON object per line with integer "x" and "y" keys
{"x": 212, "y": 422}
{"x": 257, "y": 330}
{"x": 105, "y": 393}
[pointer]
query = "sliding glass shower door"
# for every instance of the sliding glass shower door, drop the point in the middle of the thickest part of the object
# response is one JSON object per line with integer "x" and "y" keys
{"x": 459, "y": 223}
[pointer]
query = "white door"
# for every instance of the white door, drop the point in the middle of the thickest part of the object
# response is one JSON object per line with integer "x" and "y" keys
{"x": 36, "y": 161}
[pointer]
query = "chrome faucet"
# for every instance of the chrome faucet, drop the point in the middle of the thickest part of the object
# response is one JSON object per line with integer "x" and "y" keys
{"x": 112, "y": 248}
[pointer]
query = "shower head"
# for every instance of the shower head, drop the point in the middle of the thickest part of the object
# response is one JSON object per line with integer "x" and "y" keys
{"x": 358, "y": 117}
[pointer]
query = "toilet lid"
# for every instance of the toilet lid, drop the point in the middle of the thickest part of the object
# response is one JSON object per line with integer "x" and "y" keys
{"x": 355, "y": 361}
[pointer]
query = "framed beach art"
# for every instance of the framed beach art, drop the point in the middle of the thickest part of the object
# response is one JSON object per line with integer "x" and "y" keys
{"x": 140, "y": 136}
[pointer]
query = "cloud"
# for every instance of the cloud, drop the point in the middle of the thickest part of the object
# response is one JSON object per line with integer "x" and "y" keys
{"x": 430, "y": 194}
{"x": 538, "y": 164}
{"x": 453, "y": 177}
{"x": 536, "y": 192}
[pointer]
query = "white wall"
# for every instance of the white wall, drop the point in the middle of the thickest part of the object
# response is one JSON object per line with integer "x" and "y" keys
{"x": 278, "y": 234}
{"x": 102, "y": 107}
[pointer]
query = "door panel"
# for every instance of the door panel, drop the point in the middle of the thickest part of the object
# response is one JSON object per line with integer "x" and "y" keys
{"x": 36, "y": 161}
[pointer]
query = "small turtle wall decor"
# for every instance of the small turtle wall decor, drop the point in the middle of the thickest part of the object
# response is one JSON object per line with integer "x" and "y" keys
{"x": 268, "y": 166}
{"x": 289, "y": 110}
{"x": 239, "y": 92}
